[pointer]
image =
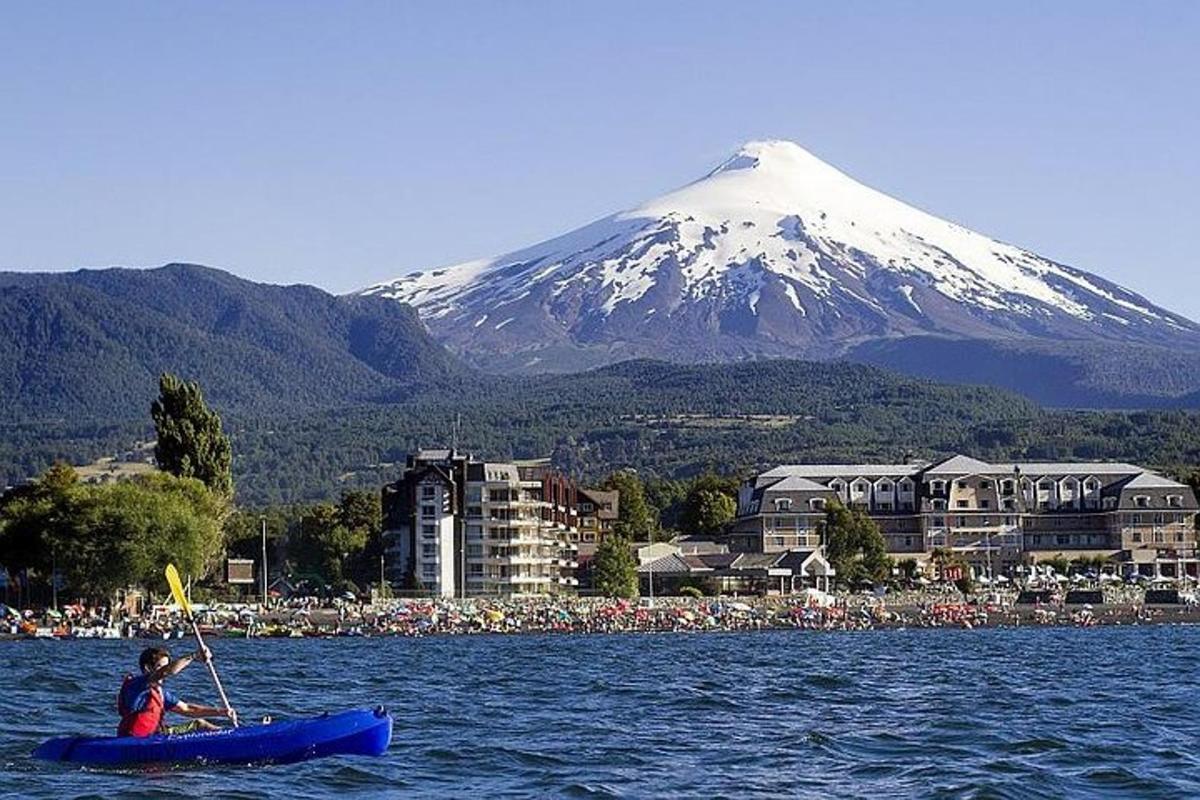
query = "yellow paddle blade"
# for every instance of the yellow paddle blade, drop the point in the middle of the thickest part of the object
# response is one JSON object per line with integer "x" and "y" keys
{"x": 177, "y": 589}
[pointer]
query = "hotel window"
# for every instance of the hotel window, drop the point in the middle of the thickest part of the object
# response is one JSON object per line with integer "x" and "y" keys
{"x": 428, "y": 530}
{"x": 428, "y": 492}
{"x": 428, "y": 511}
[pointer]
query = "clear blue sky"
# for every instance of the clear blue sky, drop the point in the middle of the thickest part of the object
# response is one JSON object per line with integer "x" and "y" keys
{"x": 345, "y": 143}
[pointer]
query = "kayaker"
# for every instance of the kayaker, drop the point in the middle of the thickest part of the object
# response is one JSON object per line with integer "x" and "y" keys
{"x": 143, "y": 701}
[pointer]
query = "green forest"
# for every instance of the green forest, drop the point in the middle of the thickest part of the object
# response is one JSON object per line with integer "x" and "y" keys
{"x": 664, "y": 420}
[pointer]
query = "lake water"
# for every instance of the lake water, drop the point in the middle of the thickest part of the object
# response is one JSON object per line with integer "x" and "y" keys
{"x": 933, "y": 713}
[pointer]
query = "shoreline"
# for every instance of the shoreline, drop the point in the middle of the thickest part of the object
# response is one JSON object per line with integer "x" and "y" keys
{"x": 422, "y": 620}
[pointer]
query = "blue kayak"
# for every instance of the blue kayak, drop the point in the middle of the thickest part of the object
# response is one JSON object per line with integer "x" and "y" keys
{"x": 364, "y": 732}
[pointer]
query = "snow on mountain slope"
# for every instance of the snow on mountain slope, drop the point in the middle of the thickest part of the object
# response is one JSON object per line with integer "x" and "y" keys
{"x": 775, "y": 253}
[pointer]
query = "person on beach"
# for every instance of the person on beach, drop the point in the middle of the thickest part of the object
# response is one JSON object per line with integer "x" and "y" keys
{"x": 143, "y": 701}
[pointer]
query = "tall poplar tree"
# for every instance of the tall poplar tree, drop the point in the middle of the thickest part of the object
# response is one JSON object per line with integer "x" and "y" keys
{"x": 191, "y": 443}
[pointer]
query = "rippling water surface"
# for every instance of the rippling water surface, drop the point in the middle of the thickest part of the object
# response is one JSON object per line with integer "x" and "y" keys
{"x": 991, "y": 713}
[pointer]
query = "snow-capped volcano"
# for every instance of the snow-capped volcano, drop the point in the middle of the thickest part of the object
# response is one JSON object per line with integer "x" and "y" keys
{"x": 772, "y": 253}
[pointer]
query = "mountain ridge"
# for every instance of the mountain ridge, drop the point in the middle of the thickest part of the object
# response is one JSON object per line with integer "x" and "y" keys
{"x": 94, "y": 341}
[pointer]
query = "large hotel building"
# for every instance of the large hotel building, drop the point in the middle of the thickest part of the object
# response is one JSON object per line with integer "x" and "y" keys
{"x": 457, "y": 527}
{"x": 996, "y": 516}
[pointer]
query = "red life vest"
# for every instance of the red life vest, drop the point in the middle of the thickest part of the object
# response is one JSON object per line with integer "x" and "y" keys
{"x": 141, "y": 723}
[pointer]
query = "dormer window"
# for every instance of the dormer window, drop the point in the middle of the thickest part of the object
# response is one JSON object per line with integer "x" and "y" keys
{"x": 985, "y": 484}
{"x": 885, "y": 486}
{"x": 1141, "y": 501}
{"x": 937, "y": 486}
{"x": 1007, "y": 487}
{"x": 962, "y": 484}
{"x": 1175, "y": 500}
{"x": 817, "y": 503}
{"x": 783, "y": 504}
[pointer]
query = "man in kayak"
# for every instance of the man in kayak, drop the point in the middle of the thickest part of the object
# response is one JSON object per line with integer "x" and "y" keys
{"x": 143, "y": 702}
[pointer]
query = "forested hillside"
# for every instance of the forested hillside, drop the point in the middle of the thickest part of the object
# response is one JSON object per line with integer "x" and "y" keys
{"x": 90, "y": 345}
{"x": 671, "y": 421}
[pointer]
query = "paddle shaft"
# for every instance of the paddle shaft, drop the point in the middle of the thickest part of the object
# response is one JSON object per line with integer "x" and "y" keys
{"x": 212, "y": 670}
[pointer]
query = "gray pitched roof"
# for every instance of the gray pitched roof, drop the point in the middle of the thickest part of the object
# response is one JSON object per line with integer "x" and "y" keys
{"x": 842, "y": 470}
{"x": 1151, "y": 480}
{"x": 795, "y": 483}
{"x": 671, "y": 564}
{"x": 961, "y": 465}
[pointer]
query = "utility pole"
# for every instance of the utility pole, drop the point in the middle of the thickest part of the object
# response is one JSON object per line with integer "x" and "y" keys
{"x": 650, "y": 577}
{"x": 263, "y": 520}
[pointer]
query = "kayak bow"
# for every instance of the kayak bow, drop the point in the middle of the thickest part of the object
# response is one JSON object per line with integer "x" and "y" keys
{"x": 365, "y": 732}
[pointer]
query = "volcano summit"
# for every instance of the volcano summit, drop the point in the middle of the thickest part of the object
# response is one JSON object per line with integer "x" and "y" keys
{"x": 778, "y": 254}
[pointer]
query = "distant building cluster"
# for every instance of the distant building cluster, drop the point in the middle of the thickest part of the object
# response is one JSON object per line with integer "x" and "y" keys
{"x": 457, "y": 526}
{"x": 999, "y": 518}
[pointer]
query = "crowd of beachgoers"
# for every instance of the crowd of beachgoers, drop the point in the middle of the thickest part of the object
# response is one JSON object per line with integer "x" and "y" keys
{"x": 812, "y": 610}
